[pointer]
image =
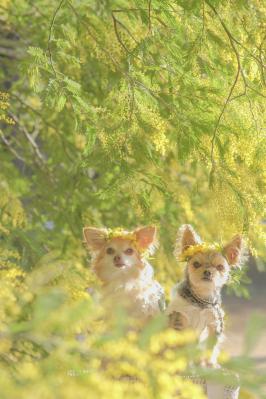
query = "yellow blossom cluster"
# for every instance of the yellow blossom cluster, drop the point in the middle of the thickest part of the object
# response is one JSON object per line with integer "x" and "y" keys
{"x": 4, "y": 104}
{"x": 70, "y": 339}
{"x": 13, "y": 214}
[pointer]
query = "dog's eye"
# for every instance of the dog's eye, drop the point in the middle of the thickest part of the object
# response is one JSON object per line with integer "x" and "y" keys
{"x": 196, "y": 264}
{"x": 220, "y": 268}
{"x": 129, "y": 251}
{"x": 110, "y": 251}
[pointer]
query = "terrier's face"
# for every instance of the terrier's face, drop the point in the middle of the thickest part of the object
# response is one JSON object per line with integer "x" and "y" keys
{"x": 118, "y": 257}
{"x": 209, "y": 271}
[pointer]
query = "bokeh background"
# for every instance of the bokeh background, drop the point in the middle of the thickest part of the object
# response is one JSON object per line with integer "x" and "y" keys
{"x": 125, "y": 113}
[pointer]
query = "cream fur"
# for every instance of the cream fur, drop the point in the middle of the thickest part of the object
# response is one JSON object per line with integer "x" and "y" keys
{"x": 128, "y": 278}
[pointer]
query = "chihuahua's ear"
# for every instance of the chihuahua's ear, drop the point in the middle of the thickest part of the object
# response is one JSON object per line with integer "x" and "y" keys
{"x": 146, "y": 237}
{"x": 94, "y": 237}
{"x": 186, "y": 237}
{"x": 234, "y": 251}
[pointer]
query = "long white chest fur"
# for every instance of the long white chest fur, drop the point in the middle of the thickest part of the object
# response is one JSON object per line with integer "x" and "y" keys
{"x": 141, "y": 296}
{"x": 199, "y": 319}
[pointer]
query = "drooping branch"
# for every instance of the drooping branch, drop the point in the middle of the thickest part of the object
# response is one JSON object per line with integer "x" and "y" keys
{"x": 233, "y": 42}
{"x": 50, "y": 36}
{"x": 31, "y": 140}
{"x": 10, "y": 147}
{"x": 44, "y": 121}
{"x": 90, "y": 33}
{"x": 115, "y": 22}
{"x": 231, "y": 90}
{"x": 149, "y": 15}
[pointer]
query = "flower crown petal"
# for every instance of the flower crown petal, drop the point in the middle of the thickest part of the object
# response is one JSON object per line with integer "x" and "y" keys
{"x": 199, "y": 248}
{"x": 119, "y": 232}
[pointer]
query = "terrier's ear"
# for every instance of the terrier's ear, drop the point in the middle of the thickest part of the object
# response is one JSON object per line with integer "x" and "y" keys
{"x": 186, "y": 237}
{"x": 234, "y": 251}
{"x": 146, "y": 237}
{"x": 94, "y": 237}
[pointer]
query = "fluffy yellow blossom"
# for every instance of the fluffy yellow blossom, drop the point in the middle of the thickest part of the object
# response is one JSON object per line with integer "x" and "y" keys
{"x": 171, "y": 338}
{"x": 160, "y": 142}
{"x": 4, "y": 105}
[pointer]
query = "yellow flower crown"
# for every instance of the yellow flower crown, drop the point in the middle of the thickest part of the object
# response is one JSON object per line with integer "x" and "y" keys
{"x": 119, "y": 232}
{"x": 194, "y": 249}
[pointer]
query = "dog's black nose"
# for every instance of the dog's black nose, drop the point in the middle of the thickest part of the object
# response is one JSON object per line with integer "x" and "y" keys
{"x": 207, "y": 273}
{"x": 117, "y": 258}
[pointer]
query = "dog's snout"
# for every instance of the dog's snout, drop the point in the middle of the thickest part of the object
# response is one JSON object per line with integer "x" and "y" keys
{"x": 117, "y": 258}
{"x": 207, "y": 273}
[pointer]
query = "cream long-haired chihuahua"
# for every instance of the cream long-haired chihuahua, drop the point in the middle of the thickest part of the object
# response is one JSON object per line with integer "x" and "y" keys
{"x": 196, "y": 301}
{"x": 119, "y": 261}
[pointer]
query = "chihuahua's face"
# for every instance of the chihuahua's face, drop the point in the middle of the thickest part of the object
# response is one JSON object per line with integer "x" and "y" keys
{"x": 118, "y": 257}
{"x": 209, "y": 271}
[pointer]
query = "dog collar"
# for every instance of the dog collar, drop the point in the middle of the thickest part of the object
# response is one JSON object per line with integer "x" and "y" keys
{"x": 187, "y": 293}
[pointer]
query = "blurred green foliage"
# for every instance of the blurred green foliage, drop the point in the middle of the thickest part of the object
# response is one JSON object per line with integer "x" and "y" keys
{"x": 120, "y": 113}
